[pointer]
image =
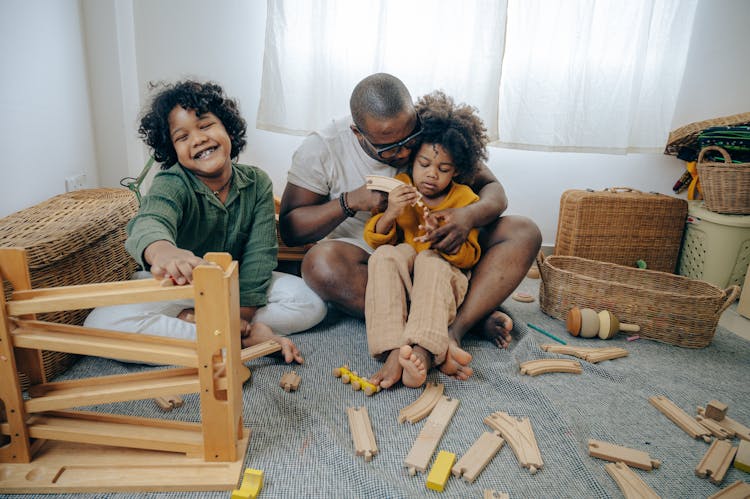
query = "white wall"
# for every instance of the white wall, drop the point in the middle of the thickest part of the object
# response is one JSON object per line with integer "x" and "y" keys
{"x": 132, "y": 42}
{"x": 45, "y": 120}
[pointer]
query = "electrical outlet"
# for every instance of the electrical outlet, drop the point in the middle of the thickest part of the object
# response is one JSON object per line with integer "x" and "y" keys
{"x": 75, "y": 182}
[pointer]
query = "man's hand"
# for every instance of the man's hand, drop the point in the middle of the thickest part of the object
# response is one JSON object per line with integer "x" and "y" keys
{"x": 363, "y": 199}
{"x": 168, "y": 260}
{"x": 446, "y": 230}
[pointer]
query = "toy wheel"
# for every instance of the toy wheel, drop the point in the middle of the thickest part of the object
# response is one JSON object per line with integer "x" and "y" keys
{"x": 356, "y": 385}
{"x": 368, "y": 391}
{"x": 345, "y": 378}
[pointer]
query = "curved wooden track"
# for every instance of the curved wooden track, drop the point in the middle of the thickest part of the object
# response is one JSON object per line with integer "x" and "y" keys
{"x": 520, "y": 436}
{"x": 421, "y": 408}
{"x": 631, "y": 485}
{"x": 542, "y": 366}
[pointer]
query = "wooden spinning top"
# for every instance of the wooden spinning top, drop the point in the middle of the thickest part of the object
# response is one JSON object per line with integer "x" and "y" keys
{"x": 587, "y": 323}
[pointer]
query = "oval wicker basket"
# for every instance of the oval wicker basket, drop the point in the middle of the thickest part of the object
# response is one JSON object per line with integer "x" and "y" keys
{"x": 669, "y": 308}
{"x": 725, "y": 185}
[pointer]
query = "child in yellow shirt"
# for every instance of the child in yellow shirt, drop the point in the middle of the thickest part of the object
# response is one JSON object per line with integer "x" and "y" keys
{"x": 403, "y": 269}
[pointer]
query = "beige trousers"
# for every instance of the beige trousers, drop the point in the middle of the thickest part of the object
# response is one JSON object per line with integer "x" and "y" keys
{"x": 398, "y": 275}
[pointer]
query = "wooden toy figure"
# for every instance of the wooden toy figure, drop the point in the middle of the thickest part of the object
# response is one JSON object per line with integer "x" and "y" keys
{"x": 587, "y": 323}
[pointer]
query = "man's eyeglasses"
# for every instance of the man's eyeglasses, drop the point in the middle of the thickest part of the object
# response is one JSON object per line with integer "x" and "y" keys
{"x": 390, "y": 151}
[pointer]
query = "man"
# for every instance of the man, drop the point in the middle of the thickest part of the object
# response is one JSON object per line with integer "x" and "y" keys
{"x": 326, "y": 197}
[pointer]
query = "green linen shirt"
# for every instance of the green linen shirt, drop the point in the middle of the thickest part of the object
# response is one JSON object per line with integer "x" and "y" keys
{"x": 181, "y": 209}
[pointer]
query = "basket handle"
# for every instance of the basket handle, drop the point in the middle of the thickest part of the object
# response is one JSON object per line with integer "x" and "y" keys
{"x": 718, "y": 149}
{"x": 621, "y": 189}
{"x": 731, "y": 292}
{"x": 539, "y": 262}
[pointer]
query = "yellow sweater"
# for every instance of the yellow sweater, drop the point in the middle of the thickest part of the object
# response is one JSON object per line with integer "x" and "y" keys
{"x": 407, "y": 224}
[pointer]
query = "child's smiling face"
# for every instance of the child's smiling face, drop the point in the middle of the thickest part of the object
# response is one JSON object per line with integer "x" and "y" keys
{"x": 201, "y": 142}
{"x": 433, "y": 170}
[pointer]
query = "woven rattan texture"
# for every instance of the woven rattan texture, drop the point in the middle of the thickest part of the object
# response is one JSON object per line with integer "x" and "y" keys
{"x": 621, "y": 225}
{"x": 726, "y": 185}
{"x": 669, "y": 308}
{"x": 72, "y": 238}
{"x": 687, "y": 136}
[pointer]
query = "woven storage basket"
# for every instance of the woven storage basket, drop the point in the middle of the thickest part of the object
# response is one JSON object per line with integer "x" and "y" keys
{"x": 726, "y": 185}
{"x": 669, "y": 308}
{"x": 687, "y": 136}
{"x": 73, "y": 238}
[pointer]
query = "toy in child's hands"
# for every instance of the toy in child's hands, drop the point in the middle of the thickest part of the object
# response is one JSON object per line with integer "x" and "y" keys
{"x": 587, "y": 323}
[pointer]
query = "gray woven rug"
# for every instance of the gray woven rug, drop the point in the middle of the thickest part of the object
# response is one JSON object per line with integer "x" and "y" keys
{"x": 301, "y": 440}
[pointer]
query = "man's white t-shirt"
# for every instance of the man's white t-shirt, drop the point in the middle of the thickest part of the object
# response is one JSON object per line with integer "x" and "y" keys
{"x": 331, "y": 161}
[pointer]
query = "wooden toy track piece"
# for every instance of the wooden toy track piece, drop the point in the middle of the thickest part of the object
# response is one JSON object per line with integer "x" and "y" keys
{"x": 421, "y": 408}
{"x": 523, "y": 297}
{"x": 290, "y": 381}
{"x": 252, "y": 482}
{"x": 742, "y": 458}
{"x": 618, "y": 453}
{"x": 478, "y": 456}
{"x": 362, "y": 435}
{"x": 351, "y": 377}
{"x": 715, "y": 428}
{"x": 716, "y": 461}
{"x": 169, "y": 402}
{"x": 738, "y": 490}
{"x": 680, "y": 418}
{"x": 386, "y": 184}
{"x": 520, "y": 436}
{"x": 493, "y": 494}
{"x": 729, "y": 424}
{"x": 428, "y": 439}
{"x": 630, "y": 484}
{"x": 260, "y": 350}
{"x": 716, "y": 410}
{"x": 593, "y": 355}
{"x": 542, "y": 366}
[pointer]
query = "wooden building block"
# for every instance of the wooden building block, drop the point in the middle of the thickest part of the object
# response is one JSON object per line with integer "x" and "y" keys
{"x": 290, "y": 381}
{"x": 631, "y": 485}
{"x": 680, "y": 418}
{"x": 520, "y": 436}
{"x": 716, "y": 461}
{"x": 421, "y": 408}
{"x": 738, "y": 490}
{"x": 169, "y": 402}
{"x": 478, "y": 456}
{"x": 716, "y": 410}
{"x": 440, "y": 471}
{"x": 362, "y": 435}
{"x": 428, "y": 439}
{"x": 618, "y": 453}
{"x": 729, "y": 424}
{"x": 742, "y": 459}
{"x": 252, "y": 482}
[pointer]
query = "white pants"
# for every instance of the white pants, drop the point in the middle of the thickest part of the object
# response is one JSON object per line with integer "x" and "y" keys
{"x": 292, "y": 307}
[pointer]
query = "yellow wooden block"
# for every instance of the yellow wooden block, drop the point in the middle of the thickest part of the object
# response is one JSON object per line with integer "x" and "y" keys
{"x": 441, "y": 470}
{"x": 742, "y": 458}
{"x": 252, "y": 481}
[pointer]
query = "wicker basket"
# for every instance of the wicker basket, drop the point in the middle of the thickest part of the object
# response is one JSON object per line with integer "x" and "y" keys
{"x": 73, "y": 238}
{"x": 726, "y": 185}
{"x": 687, "y": 136}
{"x": 669, "y": 308}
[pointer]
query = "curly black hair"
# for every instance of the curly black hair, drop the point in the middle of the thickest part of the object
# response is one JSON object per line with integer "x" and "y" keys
{"x": 199, "y": 97}
{"x": 457, "y": 128}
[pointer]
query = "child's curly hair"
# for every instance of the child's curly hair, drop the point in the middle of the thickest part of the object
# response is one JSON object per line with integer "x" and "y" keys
{"x": 199, "y": 97}
{"x": 457, "y": 128}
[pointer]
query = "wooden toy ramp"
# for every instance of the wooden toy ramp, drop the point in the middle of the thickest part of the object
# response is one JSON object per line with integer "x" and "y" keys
{"x": 45, "y": 447}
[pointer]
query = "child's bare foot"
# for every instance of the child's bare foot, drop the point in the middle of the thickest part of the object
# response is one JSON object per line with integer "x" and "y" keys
{"x": 390, "y": 373}
{"x": 255, "y": 333}
{"x": 497, "y": 328}
{"x": 415, "y": 361}
{"x": 456, "y": 363}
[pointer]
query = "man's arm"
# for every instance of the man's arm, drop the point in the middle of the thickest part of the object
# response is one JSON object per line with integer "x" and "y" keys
{"x": 307, "y": 217}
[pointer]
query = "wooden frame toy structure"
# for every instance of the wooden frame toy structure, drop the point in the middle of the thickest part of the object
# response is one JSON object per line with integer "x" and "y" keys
{"x": 48, "y": 447}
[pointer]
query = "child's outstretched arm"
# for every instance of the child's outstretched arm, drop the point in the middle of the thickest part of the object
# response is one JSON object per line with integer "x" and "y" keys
{"x": 167, "y": 260}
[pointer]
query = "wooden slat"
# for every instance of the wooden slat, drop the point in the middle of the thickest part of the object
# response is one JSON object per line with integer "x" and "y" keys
{"x": 64, "y": 298}
{"x": 102, "y": 343}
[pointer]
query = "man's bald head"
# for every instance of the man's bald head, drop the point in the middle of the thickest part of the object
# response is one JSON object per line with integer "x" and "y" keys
{"x": 380, "y": 96}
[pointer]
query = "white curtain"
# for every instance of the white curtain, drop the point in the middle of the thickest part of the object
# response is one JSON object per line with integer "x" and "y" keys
{"x": 317, "y": 50}
{"x": 593, "y": 75}
{"x": 575, "y": 75}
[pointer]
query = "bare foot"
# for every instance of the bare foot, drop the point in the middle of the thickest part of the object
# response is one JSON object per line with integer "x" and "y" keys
{"x": 497, "y": 328}
{"x": 415, "y": 361}
{"x": 390, "y": 373}
{"x": 456, "y": 363}
{"x": 255, "y": 333}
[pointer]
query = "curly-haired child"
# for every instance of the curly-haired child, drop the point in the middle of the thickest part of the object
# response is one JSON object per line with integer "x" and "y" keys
{"x": 202, "y": 201}
{"x": 413, "y": 291}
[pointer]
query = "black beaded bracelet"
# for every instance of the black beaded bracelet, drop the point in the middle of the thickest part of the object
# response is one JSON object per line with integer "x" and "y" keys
{"x": 345, "y": 206}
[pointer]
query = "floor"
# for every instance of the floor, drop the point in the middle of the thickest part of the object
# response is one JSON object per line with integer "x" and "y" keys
{"x": 735, "y": 322}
